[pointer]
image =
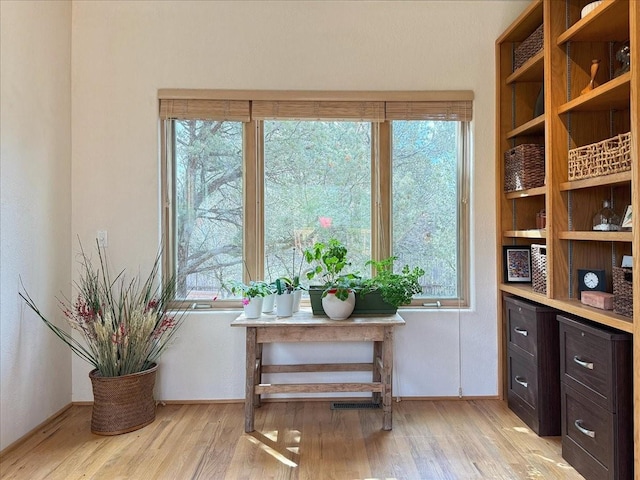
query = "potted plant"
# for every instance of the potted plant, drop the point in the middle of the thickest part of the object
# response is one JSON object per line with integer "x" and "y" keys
{"x": 284, "y": 297}
{"x": 387, "y": 290}
{"x": 253, "y": 294}
{"x": 125, "y": 327}
{"x": 328, "y": 261}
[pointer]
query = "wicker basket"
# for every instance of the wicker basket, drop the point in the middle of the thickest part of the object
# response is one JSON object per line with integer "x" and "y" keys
{"x": 524, "y": 167}
{"x": 528, "y": 48}
{"x": 122, "y": 404}
{"x": 539, "y": 268}
{"x": 612, "y": 155}
{"x": 623, "y": 291}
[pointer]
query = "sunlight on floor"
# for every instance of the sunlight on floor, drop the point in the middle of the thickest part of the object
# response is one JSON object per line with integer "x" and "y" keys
{"x": 268, "y": 442}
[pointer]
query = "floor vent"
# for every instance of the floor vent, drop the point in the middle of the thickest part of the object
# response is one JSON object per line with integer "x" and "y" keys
{"x": 353, "y": 405}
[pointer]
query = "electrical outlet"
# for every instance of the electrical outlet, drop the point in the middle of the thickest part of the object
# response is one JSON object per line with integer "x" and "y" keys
{"x": 103, "y": 240}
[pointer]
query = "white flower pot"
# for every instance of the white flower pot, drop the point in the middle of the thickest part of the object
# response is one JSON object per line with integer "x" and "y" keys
{"x": 337, "y": 309}
{"x": 269, "y": 303}
{"x": 284, "y": 305}
{"x": 253, "y": 309}
{"x": 297, "y": 296}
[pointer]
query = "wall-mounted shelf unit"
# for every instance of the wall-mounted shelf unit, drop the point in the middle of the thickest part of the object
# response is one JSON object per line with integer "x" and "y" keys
{"x": 574, "y": 116}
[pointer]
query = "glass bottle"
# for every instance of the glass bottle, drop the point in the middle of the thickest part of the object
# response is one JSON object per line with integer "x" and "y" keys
{"x": 606, "y": 220}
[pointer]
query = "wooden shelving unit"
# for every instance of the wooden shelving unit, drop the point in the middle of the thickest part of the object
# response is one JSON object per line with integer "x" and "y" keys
{"x": 571, "y": 119}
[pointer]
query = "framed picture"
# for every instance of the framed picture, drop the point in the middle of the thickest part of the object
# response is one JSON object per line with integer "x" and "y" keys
{"x": 626, "y": 220}
{"x": 517, "y": 263}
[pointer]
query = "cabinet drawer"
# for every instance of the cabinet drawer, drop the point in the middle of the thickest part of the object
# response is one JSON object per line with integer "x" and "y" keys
{"x": 526, "y": 322}
{"x": 587, "y": 435}
{"x": 589, "y": 361}
{"x": 523, "y": 331}
{"x": 523, "y": 381}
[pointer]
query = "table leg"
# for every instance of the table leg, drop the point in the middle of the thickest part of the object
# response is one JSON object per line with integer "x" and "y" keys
{"x": 387, "y": 380}
{"x": 257, "y": 378}
{"x": 377, "y": 374}
{"x": 250, "y": 380}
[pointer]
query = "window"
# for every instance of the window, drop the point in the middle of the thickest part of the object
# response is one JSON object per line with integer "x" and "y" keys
{"x": 249, "y": 184}
{"x": 317, "y": 184}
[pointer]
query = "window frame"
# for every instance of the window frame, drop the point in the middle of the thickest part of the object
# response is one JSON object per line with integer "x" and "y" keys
{"x": 444, "y": 103}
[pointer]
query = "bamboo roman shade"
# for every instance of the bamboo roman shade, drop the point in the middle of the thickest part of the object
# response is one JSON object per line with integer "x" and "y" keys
{"x": 244, "y": 106}
{"x": 321, "y": 110}
{"x": 460, "y": 111}
{"x": 236, "y": 110}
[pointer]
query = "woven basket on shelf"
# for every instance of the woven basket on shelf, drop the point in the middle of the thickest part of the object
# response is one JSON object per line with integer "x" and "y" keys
{"x": 612, "y": 155}
{"x": 623, "y": 291}
{"x": 528, "y": 48}
{"x": 524, "y": 167}
{"x": 122, "y": 404}
{"x": 539, "y": 268}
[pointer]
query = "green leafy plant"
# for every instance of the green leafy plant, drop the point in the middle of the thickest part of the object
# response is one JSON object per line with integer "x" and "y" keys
{"x": 396, "y": 288}
{"x": 328, "y": 261}
{"x": 284, "y": 285}
{"x": 255, "y": 288}
{"x": 126, "y": 324}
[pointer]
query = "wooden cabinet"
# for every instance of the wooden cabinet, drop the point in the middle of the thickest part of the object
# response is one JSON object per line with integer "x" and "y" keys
{"x": 597, "y": 419}
{"x": 574, "y": 117}
{"x": 533, "y": 364}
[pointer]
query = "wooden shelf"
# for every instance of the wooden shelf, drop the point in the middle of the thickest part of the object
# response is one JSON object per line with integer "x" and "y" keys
{"x": 572, "y": 306}
{"x": 525, "y": 24}
{"x": 608, "y": 22}
{"x": 597, "y": 236}
{"x": 531, "y": 71}
{"x": 533, "y": 233}
{"x": 532, "y": 127}
{"x": 613, "y": 95}
{"x": 571, "y": 119}
{"x": 529, "y": 192}
{"x": 603, "y": 180}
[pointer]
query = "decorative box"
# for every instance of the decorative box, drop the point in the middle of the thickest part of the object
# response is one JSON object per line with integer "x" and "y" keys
{"x": 623, "y": 291}
{"x": 528, "y": 48}
{"x": 612, "y": 155}
{"x": 539, "y": 268}
{"x": 524, "y": 167}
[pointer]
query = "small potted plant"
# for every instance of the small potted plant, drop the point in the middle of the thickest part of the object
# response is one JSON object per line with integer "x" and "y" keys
{"x": 387, "y": 290}
{"x": 252, "y": 294}
{"x": 328, "y": 261}
{"x": 284, "y": 297}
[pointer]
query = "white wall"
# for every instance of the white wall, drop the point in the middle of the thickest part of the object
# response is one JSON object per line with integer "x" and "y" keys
{"x": 123, "y": 52}
{"x": 35, "y": 218}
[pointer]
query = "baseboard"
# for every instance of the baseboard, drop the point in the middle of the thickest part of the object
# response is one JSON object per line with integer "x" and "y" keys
{"x": 27, "y": 435}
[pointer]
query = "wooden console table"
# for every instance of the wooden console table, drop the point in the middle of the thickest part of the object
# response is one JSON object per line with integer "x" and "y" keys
{"x": 305, "y": 327}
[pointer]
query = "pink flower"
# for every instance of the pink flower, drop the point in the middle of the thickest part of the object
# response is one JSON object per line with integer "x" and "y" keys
{"x": 245, "y": 301}
{"x": 325, "y": 222}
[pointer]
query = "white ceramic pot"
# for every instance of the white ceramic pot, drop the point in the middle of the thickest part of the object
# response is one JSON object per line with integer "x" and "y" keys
{"x": 297, "y": 296}
{"x": 253, "y": 308}
{"x": 337, "y": 309}
{"x": 284, "y": 304}
{"x": 268, "y": 304}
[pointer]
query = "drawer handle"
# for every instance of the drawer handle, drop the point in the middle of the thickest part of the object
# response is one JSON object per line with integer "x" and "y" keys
{"x": 582, "y": 363}
{"x": 521, "y": 331}
{"x": 522, "y": 381}
{"x": 588, "y": 433}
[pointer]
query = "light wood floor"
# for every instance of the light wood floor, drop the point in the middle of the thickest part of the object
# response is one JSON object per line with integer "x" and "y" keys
{"x": 432, "y": 440}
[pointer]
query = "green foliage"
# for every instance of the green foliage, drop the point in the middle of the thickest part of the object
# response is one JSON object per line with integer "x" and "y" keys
{"x": 396, "y": 288}
{"x": 328, "y": 261}
{"x": 255, "y": 288}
